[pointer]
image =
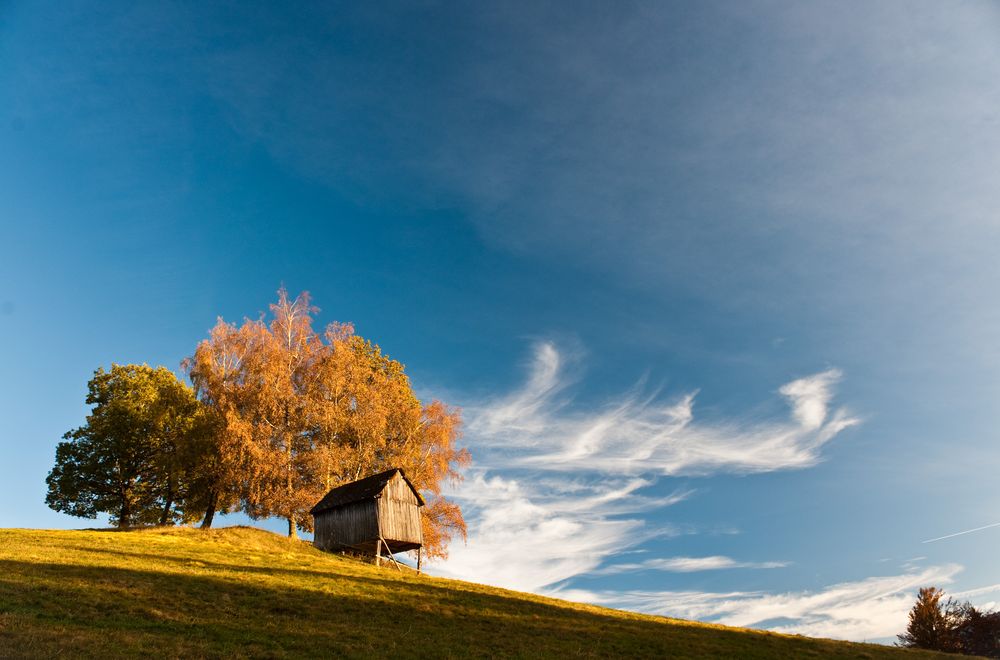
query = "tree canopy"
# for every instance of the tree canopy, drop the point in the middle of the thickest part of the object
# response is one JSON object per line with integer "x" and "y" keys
{"x": 279, "y": 414}
{"x": 302, "y": 412}
{"x": 137, "y": 456}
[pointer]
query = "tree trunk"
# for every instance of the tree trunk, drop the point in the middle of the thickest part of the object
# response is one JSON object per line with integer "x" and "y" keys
{"x": 210, "y": 512}
{"x": 165, "y": 516}
{"x": 125, "y": 515}
{"x": 293, "y": 533}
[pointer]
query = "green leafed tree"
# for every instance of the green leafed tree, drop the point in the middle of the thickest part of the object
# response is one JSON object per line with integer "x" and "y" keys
{"x": 138, "y": 456}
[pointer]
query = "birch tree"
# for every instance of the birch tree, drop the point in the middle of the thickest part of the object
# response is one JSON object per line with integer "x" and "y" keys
{"x": 301, "y": 413}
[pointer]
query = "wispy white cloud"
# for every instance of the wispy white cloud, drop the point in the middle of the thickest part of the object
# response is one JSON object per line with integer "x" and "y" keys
{"x": 978, "y": 591}
{"x": 810, "y": 397}
{"x": 557, "y": 492}
{"x": 913, "y": 563}
{"x": 640, "y": 434}
{"x": 526, "y": 535}
{"x": 687, "y": 565}
{"x": 522, "y": 411}
{"x": 872, "y": 608}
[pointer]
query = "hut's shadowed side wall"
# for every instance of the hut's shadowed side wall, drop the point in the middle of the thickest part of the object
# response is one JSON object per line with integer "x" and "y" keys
{"x": 349, "y": 525}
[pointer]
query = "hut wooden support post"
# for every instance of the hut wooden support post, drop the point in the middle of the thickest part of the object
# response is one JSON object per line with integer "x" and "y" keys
{"x": 378, "y": 552}
{"x": 418, "y": 561}
{"x": 388, "y": 553}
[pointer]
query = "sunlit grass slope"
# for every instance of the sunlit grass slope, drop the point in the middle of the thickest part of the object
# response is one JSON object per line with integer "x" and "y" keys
{"x": 246, "y": 592}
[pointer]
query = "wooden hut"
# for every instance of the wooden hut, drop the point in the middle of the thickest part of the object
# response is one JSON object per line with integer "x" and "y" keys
{"x": 380, "y": 512}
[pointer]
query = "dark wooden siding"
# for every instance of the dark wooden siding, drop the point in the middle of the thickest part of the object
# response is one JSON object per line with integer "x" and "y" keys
{"x": 348, "y": 525}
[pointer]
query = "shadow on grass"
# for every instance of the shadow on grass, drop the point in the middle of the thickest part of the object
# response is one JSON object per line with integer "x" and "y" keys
{"x": 350, "y": 576}
{"x": 109, "y": 610}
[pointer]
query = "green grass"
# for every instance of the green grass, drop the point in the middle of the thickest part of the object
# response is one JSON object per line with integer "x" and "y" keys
{"x": 242, "y": 592}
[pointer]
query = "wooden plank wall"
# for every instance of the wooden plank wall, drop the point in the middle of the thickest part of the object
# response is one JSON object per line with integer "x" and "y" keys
{"x": 351, "y": 524}
{"x": 399, "y": 521}
{"x": 398, "y": 489}
{"x": 398, "y": 513}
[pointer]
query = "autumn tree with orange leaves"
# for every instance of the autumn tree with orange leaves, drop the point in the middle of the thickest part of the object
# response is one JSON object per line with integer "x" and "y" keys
{"x": 299, "y": 413}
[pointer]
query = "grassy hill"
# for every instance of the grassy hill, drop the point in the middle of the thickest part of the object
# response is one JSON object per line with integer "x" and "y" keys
{"x": 246, "y": 592}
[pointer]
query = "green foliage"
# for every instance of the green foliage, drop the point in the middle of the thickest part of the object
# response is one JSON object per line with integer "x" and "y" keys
{"x": 138, "y": 456}
{"x": 239, "y": 592}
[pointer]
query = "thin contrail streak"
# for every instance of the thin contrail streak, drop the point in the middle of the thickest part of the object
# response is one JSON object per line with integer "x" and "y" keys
{"x": 968, "y": 531}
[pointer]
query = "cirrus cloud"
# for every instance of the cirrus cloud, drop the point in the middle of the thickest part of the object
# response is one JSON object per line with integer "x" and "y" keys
{"x": 639, "y": 434}
{"x": 871, "y": 608}
{"x": 687, "y": 565}
{"x": 559, "y": 491}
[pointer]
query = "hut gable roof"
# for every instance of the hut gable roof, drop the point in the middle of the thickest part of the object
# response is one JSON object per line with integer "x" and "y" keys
{"x": 362, "y": 489}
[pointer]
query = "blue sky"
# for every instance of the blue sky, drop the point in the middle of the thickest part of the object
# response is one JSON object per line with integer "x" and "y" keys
{"x": 715, "y": 284}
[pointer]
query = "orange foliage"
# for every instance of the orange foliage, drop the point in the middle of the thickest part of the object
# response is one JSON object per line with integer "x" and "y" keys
{"x": 302, "y": 413}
